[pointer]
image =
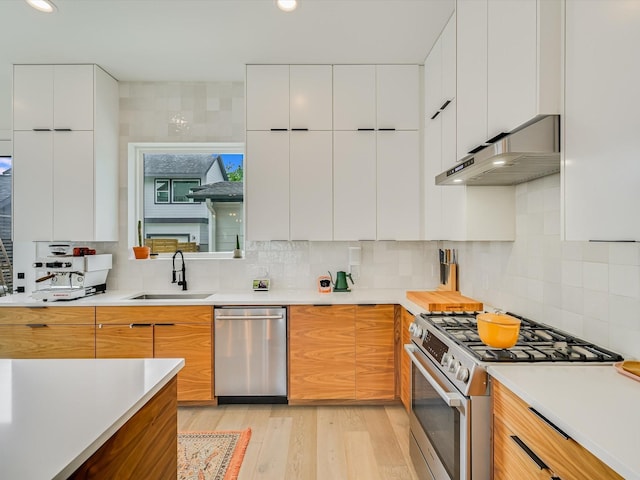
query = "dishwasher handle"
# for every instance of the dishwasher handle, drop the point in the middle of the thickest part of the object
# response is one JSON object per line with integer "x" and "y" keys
{"x": 249, "y": 317}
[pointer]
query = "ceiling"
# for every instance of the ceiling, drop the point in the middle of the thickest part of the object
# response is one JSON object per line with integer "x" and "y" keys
{"x": 212, "y": 40}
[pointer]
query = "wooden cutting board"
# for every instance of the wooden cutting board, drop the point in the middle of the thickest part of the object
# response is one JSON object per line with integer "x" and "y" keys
{"x": 444, "y": 301}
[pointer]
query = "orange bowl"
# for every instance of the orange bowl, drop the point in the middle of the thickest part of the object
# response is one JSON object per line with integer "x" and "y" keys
{"x": 498, "y": 330}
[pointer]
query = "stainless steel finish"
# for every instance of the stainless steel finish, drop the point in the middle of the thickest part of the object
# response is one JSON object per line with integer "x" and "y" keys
{"x": 419, "y": 463}
{"x": 250, "y": 351}
{"x": 171, "y": 296}
{"x": 530, "y": 151}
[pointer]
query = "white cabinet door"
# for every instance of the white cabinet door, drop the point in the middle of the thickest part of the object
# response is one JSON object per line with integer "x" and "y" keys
{"x": 310, "y": 97}
{"x": 600, "y": 167}
{"x": 311, "y": 186}
{"x": 267, "y": 185}
{"x": 354, "y": 185}
{"x": 398, "y": 190}
{"x": 32, "y": 186}
{"x": 398, "y": 97}
{"x": 512, "y": 64}
{"x": 73, "y": 97}
{"x": 267, "y": 97}
{"x": 354, "y": 97}
{"x": 32, "y": 97}
{"x": 73, "y": 186}
{"x": 471, "y": 77}
{"x": 432, "y": 167}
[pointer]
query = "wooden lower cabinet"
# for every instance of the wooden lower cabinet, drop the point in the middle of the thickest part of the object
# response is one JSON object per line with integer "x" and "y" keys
{"x": 162, "y": 332}
{"x": 47, "y": 332}
{"x": 406, "y": 318}
{"x": 562, "y": 456}
{"x": 341, "y": 352}
{"x": 322, "y": 357}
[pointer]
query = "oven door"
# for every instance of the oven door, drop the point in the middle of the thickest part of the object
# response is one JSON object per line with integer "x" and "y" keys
{"x": 439, "y": 421}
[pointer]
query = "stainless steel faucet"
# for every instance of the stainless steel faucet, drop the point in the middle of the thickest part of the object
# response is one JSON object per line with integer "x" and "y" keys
{"x": 183, "y": 278}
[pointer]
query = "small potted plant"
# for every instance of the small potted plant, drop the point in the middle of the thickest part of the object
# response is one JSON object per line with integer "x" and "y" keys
{"x": 141, "y": 252}
{"x": 237, "y": 253}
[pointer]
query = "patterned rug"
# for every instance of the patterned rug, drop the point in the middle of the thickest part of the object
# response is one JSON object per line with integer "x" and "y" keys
{"x": 211, "y": 455}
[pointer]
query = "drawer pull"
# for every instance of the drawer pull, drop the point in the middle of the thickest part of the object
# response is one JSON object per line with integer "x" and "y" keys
{"x": 134, "y": 325}
{"x": 536, "y": 459}
{"x": 550, "y": 423}
{"x": 37, "y": 325}
{"x": 165, "y": 324}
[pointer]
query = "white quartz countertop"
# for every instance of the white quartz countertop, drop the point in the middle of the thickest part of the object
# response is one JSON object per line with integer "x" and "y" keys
{"x": 230, "y": 297}
{"x": 595, "y": 405}
{"x": 54, "y": 414}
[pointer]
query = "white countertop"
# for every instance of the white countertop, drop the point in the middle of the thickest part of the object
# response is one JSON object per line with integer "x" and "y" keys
{"x": 595, "y": 405}
{"x": 54, "y": 414}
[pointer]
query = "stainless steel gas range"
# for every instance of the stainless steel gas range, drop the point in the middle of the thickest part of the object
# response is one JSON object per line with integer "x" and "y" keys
{"x": 450, "y": 396}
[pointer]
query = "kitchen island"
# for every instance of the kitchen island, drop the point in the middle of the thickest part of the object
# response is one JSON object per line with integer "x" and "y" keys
{"x": 87, "y": 418}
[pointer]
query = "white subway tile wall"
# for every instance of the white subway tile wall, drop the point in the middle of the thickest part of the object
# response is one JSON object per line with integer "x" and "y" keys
{"x": 589, "y": 289}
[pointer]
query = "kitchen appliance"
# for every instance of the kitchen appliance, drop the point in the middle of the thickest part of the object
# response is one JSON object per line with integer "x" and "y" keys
{"x": 450, "y": 417}
{"x": 250, "y": 354}
{"x": 530, "y": 151}
{"x": 67, "y": 277}
{"x": 324, "y": 284}
{"x": 340, "y": 285}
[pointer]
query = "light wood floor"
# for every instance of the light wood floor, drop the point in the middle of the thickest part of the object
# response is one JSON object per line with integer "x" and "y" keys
{"x": 313, "y": 442}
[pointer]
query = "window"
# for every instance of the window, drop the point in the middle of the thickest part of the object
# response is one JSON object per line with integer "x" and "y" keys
{"x": 190, "y": 197}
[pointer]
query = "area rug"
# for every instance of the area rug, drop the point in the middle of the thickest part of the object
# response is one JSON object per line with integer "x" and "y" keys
{"x": 211, "y": 455}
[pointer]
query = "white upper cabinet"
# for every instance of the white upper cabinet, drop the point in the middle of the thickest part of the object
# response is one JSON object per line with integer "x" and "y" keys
{"x": 280, "y": 97}
{"x": 50, "y": 97}
{"x": 354, "y": 185}
{"x": 311, "y": 186}
{"x": 600, "y": 139}
{"x": 509, "y": 66}
{"x": 267, "y": 97}
{"x": 66, "y": 149}
{"x": 310, "y": 97}
{"x": 354, "y": 93}
{"x": 397, "y": 97}
{"x": 267, "y": 185}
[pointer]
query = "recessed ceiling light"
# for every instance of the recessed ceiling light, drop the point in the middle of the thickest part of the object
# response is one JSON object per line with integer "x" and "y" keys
{"x": 499, "y": 162}
{"x": 457, "y": 180}
{"x": 287, "y": 5}
{"x": 45, "y": 6}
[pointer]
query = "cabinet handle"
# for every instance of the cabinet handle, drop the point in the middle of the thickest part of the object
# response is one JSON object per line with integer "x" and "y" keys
{"x": 41, "y": 129}
{"x": 366, "y": 129}
{"x": 550, "y": 423}
{"x": 165, "y": 324}
{"x": 323, "y": 304}
{"x": 279, "y": 129}
{"x": 134, "y": 325}
{"x": 386, "y": 129}
{"x": 445, "y": 105}
{"x": 436, "y": 114}
{"x": 497, "y": 137}
{"x": 299, "y": 129}
{"x": 37, "y": 325}
{"x": 614, "y": 241}
{"x": 476, "y": 149}
{"x": 62, "y": 129}
{"x": 536, "y": 459}
{"x": 555, "y": 478}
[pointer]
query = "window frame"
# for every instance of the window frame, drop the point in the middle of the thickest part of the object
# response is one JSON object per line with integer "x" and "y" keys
{"x": 155, "y": 190}
{"x": 135, "y": 197}
{"x": 173, "y": 181}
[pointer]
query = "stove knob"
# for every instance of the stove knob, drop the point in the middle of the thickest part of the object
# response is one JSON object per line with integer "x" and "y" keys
{"x": 452, "y": 364}
{"x": 462, "y": 374}
{"x": 412, "y": 329}
{"x": 445, "y": 359}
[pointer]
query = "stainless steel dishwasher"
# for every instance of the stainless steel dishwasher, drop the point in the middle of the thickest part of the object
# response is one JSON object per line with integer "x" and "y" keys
{"x": 250, "y": 354}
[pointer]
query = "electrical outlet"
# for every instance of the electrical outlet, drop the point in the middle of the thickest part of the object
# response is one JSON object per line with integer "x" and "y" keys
{"x": 20, "y": 289}
{"x": 20, "y": 275}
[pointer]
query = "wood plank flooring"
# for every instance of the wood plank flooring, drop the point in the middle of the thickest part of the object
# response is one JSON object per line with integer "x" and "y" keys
{"x": 313, "y": 442}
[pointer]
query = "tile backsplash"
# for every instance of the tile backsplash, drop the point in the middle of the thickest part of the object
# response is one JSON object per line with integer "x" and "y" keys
{"x": 589, "y": 289}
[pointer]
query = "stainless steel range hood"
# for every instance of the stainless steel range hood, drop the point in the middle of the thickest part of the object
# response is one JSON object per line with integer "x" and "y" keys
{"x": 529, "y": 152}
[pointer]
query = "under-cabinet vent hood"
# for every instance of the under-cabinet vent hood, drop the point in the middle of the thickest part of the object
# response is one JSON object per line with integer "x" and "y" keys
{"x": 529, "y": 152}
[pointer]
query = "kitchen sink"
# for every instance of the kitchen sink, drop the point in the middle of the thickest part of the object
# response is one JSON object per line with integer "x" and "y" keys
{"x": 172, "y": 296}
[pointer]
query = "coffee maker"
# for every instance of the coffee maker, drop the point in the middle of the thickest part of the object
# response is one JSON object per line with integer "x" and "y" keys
{"x": 69, "y": 274}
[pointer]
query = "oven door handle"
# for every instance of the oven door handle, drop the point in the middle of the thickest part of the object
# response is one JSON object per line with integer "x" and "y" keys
{"x": 451, "y": 399}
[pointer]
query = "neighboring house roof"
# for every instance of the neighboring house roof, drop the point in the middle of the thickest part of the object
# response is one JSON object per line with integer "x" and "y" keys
{"x": 164, "y": 165}
{"x": 218, "y": 192}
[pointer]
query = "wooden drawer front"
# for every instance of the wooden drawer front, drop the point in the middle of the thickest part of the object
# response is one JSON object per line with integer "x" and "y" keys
{"x": 168, "y": 314}
{"x": 322, "y": 352}
{"x": 510, "y": 460}
{"x": 47, "y": 315}
{"x": 51, "y": 341}
{"x": 123, "y": 341}
{"x": 374, "y": 324}
{"x": 568, "y": 459}
{"x": 193, "y": 343}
